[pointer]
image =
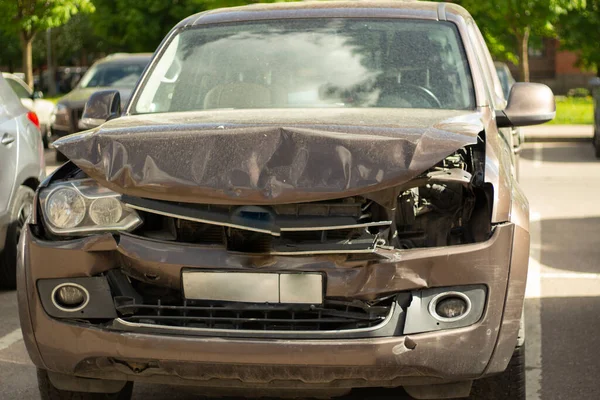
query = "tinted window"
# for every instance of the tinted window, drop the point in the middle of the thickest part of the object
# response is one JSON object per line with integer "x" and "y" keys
{"x": 311, "y": 63}
{"x": 112, "y": 75}
{"x": 10, "y": 105}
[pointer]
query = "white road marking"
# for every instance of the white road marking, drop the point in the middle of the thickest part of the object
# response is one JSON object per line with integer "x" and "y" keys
{"x": 533, "y": 314}
{"x": 537, "y": 155}
{"x": 10, "y": 339}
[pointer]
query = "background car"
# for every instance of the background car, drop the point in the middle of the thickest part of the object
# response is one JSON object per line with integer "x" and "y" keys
{"x": 595, "y": 83}
{"x": 118, "y": 71}
{"x": 33, "y": 101}
{"x": 21, "y": 170}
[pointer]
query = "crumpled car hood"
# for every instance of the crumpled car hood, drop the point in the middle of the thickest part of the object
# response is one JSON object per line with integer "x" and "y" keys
{"x": 268, "y": 156}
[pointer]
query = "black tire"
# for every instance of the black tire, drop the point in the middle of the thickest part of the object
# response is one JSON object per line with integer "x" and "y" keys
{"x": 596, "y": 142}
{"x": 20, "y": 211}
{"x": 509, "y": 385}
{"x": 49, "y": 392}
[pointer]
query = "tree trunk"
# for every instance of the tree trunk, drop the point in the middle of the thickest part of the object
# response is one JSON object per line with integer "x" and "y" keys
{"x": 523, "y": 42}
{"x": 26, "y": 42}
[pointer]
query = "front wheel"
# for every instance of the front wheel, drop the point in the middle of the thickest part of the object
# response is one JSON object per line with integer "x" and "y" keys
{"x": 509, "y": 385}
{"x": 49, "y": 392}
{"x": 596, "y": 141}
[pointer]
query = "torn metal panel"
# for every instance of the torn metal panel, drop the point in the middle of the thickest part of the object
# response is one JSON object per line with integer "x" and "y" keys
{"x": 251, "y": 157}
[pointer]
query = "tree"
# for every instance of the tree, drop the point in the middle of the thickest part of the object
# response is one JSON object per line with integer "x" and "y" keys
{"x": 140, "y": 25}
{"x": 9, "y": 50}
{"x": 509, "y": 24}
{"x": 28, "y": 17}
{"x": 579, "y": 30}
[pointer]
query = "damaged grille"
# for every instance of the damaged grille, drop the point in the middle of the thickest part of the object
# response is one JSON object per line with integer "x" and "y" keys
{"x": 333, "y": 315}
{"x": 346, "y": 225}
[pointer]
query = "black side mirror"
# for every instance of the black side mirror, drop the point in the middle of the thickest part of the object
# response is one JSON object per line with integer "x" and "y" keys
{"x": 528, "y": 104}
{"x": 37, "y": 95}
{"x": 102, "y": 106}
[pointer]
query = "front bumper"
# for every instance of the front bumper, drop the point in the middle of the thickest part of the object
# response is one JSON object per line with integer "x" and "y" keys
{"x": 436, "y": 357}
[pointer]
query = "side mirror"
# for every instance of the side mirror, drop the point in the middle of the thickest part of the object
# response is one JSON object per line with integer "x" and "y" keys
{"x": 37, "y": 95}
{"x": 102, "y": 106}
{"x": 528, "y": 104}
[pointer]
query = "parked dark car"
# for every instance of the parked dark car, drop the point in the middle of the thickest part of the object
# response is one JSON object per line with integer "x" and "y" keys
{"x": 118, "y": 71}
{"x": 299, "y": 199}
{"x": 595, "y": 84}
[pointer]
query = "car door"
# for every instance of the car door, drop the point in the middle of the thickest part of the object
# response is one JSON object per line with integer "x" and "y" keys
{"x": 10, "y": 108}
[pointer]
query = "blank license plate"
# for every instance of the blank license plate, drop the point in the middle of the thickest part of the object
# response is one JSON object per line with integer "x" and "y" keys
{"x": 250, "y": 287}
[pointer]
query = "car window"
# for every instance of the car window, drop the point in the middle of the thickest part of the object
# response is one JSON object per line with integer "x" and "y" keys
{"x": 18, "y": 88}
{"x": 113, "y": 75}
{"x": 311, "y": 63}
{"x": 10, "y": 105}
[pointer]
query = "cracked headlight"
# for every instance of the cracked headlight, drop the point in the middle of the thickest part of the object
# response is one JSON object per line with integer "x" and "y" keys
{"x": 84, "y": 207}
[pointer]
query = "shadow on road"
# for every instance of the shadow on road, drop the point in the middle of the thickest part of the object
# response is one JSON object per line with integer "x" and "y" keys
{"x": 563, "y": 153}
{"x": 158, "y": 392}
{"x": 571, "y": 244}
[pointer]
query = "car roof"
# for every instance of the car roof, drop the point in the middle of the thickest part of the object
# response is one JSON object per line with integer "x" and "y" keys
{"x": 328, "y": 9}
{"x": 126, "y": 58}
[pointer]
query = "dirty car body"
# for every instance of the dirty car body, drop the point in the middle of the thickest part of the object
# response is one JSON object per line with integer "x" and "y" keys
{"x": 263, "y": 231}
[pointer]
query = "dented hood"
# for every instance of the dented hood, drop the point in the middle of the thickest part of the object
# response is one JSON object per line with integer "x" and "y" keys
{"x": 268, "y": 156}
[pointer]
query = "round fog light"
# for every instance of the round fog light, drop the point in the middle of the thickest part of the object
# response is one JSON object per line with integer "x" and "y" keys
{"x": 450, "y": 307}
{"x": 70, "y": 297}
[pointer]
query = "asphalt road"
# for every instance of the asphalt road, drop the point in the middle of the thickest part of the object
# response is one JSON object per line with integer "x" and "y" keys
{"x": 563, "y": 294}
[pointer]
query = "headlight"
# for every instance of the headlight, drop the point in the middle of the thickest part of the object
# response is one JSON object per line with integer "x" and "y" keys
{"x": 84, "y": 207}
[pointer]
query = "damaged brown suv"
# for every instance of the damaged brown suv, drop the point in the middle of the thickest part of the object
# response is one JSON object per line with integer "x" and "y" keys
{"x": 301, "y": 199}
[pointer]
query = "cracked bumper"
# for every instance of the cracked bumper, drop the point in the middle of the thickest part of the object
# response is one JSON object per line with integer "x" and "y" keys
{"x": 442, "y": 356}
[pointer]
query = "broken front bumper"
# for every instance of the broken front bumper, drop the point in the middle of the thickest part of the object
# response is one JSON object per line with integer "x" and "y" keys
{"x": 102, "y": 351}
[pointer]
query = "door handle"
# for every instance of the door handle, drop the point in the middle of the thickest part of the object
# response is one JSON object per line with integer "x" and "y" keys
{"x": 7, "y": 139}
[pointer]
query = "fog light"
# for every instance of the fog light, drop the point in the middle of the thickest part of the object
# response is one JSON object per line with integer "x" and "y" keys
{"x": 450, "y": 306}
{"x": 70, "y": 297}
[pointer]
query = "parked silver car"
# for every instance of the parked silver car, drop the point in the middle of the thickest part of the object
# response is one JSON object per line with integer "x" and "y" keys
{"x": 21, "y": 170}
{"x": 33, "y": 101}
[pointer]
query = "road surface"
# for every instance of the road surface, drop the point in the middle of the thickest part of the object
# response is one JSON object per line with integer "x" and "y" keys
{"x": 562, "y": 181}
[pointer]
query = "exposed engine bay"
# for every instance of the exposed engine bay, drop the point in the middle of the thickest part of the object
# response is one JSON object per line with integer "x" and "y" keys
{"x": 446, "y": 205}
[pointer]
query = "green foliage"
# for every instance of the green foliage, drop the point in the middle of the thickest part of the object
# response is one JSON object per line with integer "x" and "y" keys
{"x": 579, "y": 30}
{"x": 574, "y": 111}
{"x": 139, "y": 26}
{"x": 507, "y": 24}
{"x": 27, "y": 17}
{"x": 10, "y": 50}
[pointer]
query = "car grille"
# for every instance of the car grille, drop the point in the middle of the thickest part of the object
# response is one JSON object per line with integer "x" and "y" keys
{"x": 331, "y": 316}
{"x": 343, "y": 226}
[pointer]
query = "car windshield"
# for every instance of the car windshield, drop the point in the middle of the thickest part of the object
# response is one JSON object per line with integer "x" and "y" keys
{"x": 311, "y": 63}
{"x": 112, "y": 75}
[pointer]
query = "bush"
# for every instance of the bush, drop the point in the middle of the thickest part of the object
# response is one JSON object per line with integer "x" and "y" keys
{"x": 578, "y": 92}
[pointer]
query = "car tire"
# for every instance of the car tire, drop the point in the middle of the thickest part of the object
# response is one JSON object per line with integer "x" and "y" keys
{"x": 596, "y": 142}
{"x": 509, "y": 385}
{"x": 49, "y": 392}
{"x": 20, "y": 210}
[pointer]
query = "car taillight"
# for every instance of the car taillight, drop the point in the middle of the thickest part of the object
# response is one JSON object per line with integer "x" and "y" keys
{"x": 34, "y": 118}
